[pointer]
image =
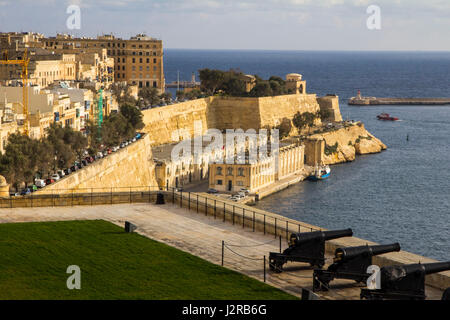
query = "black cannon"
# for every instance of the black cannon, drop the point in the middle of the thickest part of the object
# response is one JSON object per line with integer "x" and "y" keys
{"x": 306, "y": 247}
{"x": 350, "y": 263}
{"x": 404, "y": 282}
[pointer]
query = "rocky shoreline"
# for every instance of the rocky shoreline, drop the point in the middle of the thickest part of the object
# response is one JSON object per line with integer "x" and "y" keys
{"x": 342, "y": 145}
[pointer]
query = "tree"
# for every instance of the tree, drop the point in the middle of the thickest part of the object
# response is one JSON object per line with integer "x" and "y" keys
{"x": 284, "y": 128}
{"x": 63, "y": 154}
{"x": 133, "y": 115}
{"x": 261, "y": 89}
{"x": 18, "y": 163}
{"x": 166, "y": 97}
{"x": 150, "y": 96}
{"x": 235, "y": 87}
{"x": 211, "y": 80}
{"x": 116, "y": 128}
{"x": 303, "y": 120}
{"x": 94, "y": 136}
{"x": 122, "y": 93}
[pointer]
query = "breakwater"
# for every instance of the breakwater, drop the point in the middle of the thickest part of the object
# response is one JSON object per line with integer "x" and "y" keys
{"x": 398, "y": 101}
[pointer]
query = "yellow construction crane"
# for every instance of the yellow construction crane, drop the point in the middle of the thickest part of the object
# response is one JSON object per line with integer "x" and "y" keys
{"x": 24, "y": 63}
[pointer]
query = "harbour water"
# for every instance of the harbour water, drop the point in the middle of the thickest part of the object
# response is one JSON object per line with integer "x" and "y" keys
{"x": 401, "y": 194}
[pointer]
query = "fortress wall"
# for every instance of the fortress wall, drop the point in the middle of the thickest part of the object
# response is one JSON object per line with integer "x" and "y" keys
{"x": 224, "y": 113}
{"x": 274, "y": 109}
{"x": 128, "y": 167}
{"x": 161, "y": 122}
{"x": 331, "y": 103}
{"x": 234, "y": 113}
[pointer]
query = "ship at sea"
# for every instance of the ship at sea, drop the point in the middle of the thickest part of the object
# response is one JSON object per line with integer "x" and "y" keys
{"x": 359, "y": 100}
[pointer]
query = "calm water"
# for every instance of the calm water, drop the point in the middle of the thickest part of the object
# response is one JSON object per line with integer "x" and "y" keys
{"x": 401, "y": 194}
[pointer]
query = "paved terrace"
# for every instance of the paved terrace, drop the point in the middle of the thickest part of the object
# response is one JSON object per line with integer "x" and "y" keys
{"x": 199, "y": 235}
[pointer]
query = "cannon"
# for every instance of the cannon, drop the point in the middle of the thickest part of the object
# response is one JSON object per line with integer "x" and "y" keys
{"x": 404, "y": 282}
{"x": 350, "y": 263}
{"x": 306, "y": 247}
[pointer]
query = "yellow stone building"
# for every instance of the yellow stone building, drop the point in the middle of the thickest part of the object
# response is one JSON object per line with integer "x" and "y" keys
{"x": 255, "y": 175}
{"x": 44, "y": 68}
{"x": 138, "y": 61}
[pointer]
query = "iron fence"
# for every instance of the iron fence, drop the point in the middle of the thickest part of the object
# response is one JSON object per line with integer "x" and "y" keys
{"x": 237, "y": 214}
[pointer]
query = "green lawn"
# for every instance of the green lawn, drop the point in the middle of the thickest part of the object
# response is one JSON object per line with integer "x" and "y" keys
{"x": 114, "y": 265}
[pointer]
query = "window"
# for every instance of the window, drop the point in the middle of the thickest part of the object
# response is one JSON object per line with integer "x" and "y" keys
{"x": 219, "y": 171}
{"x": 154, "y": 60}
{"x": 241, "y": 172}
{"x": 230, "y": 171}
{"x": 140, "y": 60}
{"x": 148, "y": 60}
{"x": 240, "y": 183}
{"x": 219, "y": 182}
{"x": 134, "y": 60}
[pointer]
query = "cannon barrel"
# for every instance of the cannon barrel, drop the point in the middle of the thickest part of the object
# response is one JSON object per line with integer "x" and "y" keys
{"x": 302, "y": 237}
{"x": 342, "y": 254}
{"x": 400, "y": 271}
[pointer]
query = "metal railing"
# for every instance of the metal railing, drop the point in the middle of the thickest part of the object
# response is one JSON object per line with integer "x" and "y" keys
{"x": 237, "y": 214}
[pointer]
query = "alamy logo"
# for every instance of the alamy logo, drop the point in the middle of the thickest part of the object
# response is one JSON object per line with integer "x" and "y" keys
{"x": 236, "y": 146}
{"x": 73, "y": 281}
{"x": 374, "y": 20}
{"x": 74, "y": 20}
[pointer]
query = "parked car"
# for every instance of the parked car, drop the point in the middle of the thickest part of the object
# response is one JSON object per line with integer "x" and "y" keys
{"x": 55, "y": 177}
{"x": 138, "y": 135}
{"x": 114, "y": 149}
{"x": 211, "y": 190}
{"x": 89, "y": 159}
{"x": 245, "y": 190}
{"x": 73, "y": 168}
{"x": 99, "y": 155}
{"x": 109, "y": 150}
{"x": 235, "y": 198}
{"x": 49, "y": 181}
{"x": 84, "y": 162}
{"x": 242, "y": 194}
{"x": 105, "y": 153}
{"x": 67, "y": 171}
{"x": 40, "y": 183}
{"x": 24, "y": 192}
{"x": 134, "y": 139}
{"x": 60, "y": 173}
{"x": 34, "y": 188}
{"x": 122, "y": 145}
{"x": 14, "y": 194}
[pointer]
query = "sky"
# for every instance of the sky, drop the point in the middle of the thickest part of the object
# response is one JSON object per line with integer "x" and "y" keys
{"x": 411, "y": 25}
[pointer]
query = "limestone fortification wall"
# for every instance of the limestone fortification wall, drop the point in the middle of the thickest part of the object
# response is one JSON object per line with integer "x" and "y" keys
{"x": 351, "y": 140}
{"x": 274, "y": 109}
{"x": 224, "y": 113}
{"x": 161, "y": 122}
{"x": 131, "y": 166}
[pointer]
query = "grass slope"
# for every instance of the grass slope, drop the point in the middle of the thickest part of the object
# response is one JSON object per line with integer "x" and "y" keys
{"x": 114, "y": 265}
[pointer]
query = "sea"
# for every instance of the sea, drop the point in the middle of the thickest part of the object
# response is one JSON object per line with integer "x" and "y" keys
{"x": 399, "y": 195}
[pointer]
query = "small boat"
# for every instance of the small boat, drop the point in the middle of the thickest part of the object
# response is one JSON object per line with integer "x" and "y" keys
{"x": 386, "y": 117}
{"x": 320, "y": 173}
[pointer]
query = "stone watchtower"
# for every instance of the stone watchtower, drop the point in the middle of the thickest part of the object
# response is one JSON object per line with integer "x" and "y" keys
{"x": 295, "y": 83}
{"x": 4, "y": 188}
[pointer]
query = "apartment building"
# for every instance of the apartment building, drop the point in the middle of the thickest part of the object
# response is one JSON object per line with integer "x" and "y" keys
{"x": 138, "y": 60}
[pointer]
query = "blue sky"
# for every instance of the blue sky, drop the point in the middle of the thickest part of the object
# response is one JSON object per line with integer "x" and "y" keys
{"x": 245, "y": 24}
